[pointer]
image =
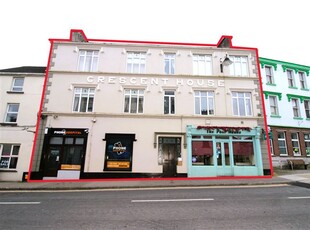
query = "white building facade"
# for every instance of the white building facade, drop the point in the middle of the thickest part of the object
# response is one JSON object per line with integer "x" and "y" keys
{"x": 127, "y": 109}
{"x": 287, "y": 100}
{"x": 21, "y": 91}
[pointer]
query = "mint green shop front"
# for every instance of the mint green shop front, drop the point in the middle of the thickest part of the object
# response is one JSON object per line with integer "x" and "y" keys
{"x": 224, "y": 151}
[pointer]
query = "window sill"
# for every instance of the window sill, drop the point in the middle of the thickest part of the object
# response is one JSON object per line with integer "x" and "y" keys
{"x": 8, "y": 170}
{"x": 297, "y": 118}
{"x": 15, "y": 92}
{"x": 292, "y": 87}
{"x": 303, "y": 89}
{"x": 8, "y": 124}
{"x": 271, "y": 84}
{"x": 275, "y": 116}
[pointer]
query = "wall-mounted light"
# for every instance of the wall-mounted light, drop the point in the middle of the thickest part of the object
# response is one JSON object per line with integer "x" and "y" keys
{"x": 225, "y": 62}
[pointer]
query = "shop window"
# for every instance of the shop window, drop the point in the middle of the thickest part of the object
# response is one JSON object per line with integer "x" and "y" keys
{"x": 282, "y": 144}
{"x": 202, "y": 65}
{"x": 202, "y": 153}
{"x": 169, "y": 63}
{"x": 88, "y": 60}
{"x": 295, "y": 144}
{"x": 243, "y": 153}
{"x": 9, "y": 156}
{"x": 118, "y": 153}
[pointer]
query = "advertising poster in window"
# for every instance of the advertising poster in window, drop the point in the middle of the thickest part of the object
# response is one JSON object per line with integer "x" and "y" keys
{"x": 118, "y": 154}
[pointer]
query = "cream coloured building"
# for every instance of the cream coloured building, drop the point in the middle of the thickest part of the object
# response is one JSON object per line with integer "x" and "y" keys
{"x": 20, "y": 94}
{"x": 130, "y": 109}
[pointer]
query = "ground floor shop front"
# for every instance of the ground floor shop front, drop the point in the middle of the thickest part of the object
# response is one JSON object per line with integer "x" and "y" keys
{"x": 200, "y": 151}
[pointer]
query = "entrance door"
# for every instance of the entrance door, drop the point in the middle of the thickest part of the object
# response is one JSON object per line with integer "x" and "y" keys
{"x": 224, "y": 167}
{"x": 52, "y": 161}
{"x": 169, "y": 160}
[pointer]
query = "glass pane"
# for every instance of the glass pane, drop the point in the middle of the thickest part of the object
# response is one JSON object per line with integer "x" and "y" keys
{"x": 4, "y": 162}
{"x": 69, "y": 141}
{"x": 56, "y": 140}
{"x": 6, "y": 150}
{"x": 15, "y": 150}
{"x": 79, "y": 141}
{"x": 133, "y": 106}
{"x": 13, "y": 162}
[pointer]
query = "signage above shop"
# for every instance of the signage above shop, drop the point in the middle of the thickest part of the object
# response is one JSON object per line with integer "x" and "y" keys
{"x": 155, "y": 81}
{"x": 224, "y": 129}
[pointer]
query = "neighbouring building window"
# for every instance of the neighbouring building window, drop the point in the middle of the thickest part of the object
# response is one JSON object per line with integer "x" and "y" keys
{"x": 295, "y": 144}
{"x": 169, "y": 63}
{"x": 11, "y": 113}
{"x": 169, "y": 102}
{"x": 307, "y": 143}
{"x": 282, "y": 143}
{"x": 271, "y": 147}
{"x": 202, "y": 153}
{"x": 9, "y": 156}
{"x": 302, "y": 80}
{"x": 290, "y": 78}
{"x": 295, "y": 106}
{"x": 273, "y": 102}
{"x": 83, "y": 99}
{"x": 307, "y": 108}
{"x": 18, "y": 84}
{"x": 136, "y": 62}
{"x": 269, "y": 75}
{"x": 202, "y": 65}
{"x": 134, "y": 101}
{"x": 239, "y": 67}
{"x": 242, "y": 105}
{"x": 204, "y": 102}
{"x": 88, "y": 60}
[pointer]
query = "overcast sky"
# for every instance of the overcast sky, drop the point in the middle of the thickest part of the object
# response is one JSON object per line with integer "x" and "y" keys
{"x": 278, "y": 28}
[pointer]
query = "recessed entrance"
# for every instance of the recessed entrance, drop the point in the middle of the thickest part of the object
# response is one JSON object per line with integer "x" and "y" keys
{"x": 170, "y": 150}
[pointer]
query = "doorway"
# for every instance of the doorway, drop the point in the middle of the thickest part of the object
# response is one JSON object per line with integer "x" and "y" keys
{"x": 170, "y": 147}
{"x": 224, "y": 160}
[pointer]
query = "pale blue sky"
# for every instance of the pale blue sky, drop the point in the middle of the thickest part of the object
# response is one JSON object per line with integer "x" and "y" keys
{"x": 278, "y": 28}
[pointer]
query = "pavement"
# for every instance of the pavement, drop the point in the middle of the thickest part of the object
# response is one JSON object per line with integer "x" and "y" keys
{"x": 281, "y": 177}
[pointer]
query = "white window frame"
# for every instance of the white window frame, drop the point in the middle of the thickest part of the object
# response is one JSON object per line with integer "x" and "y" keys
{"x": 307, "y": 143}
{"x": 302, "y": 80}
{"x": 204, "y": 99}
{"x": 81, "y": 93}
{"x": 10, "y": 112}
{"x": 271, "y": 147}
{"x": 15, "y": 87}
{"x": 273, "y": 103}
{"x": 307, "y": 108}
{"x": 295, "y": 140}
{"x": 239, "y": 67}
{"x": 295, "y": 107}
{"x": 169, "y": 67}
{"x": 10, "y": 156}
{"x": 136, "y": 62}
{"x": 169, "y": 101}
{"x": 88, "y": 60}
{"x": 284, "y": 140}
{"x": 269, "y": 75}
{"x": 133, "y": 101}
{"x": 290, "y": 78}
{"x": 242, "y": 104}
{"x": 202, "y": 64}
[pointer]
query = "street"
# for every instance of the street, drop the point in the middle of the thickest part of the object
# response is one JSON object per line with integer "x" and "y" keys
{"x": 257, "y": 207}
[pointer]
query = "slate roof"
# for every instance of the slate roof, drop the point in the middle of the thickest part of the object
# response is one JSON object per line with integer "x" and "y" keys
{"x": 25, "y": 69}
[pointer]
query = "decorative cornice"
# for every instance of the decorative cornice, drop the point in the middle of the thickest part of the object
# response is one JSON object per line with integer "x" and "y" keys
{"x": 267, "y": 93}
{"x": 300, "y": 97}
